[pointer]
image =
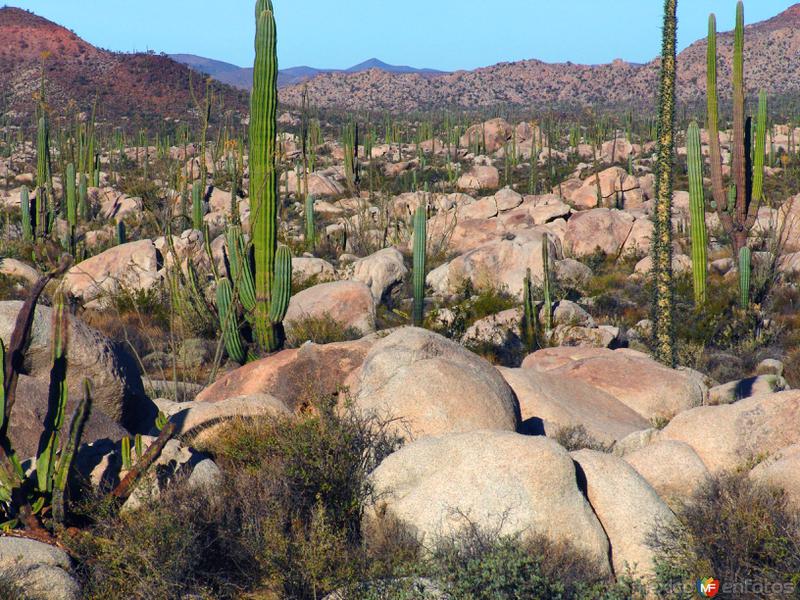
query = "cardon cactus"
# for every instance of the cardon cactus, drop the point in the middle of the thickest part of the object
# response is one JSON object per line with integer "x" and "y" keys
{"x": 263, "y": 173}
{"x": 548, "y": 303}
{"x": 311, "y": 230}
{"x": 72, "y": 201}
{"x": 197, "y": 206}
{"x": 697, "y": 207}
{"x": 42, "y": 177}
{"x": 745, "y": 264}
{"x": 281, "y": 286}
{"x": 229, "y": 322}
{"x": 241, "y": 274}
{"x": 83, "y": 204}
{"x": 738, "y": 211}
{"x": 529, "y": 318}
{"x": 420, "y": 250}
{"x": 121, "y": 235}
{"x": 25, "y": 209}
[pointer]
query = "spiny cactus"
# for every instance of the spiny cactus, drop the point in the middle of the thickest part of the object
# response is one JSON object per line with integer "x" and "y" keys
{"x": 121, "y": 235}
{"x": 25, "y": 208}
{"x": 664, "y": 342}
{"x": 420, "y": 250}
{"x": 529, "y": 316}
{"x": 311, "y": 230}
{"x": 745, "y": 258}
{"x": 739, "y": 210}
{"x": 697, "y": 208}
{"x": 281, "y": 286}
{"x": 241, "y": 274}
{"x": 263, "y": 174}
{"x": 197, "y": 206}
{"x": 83, "y": 202}
{"x": 548, "y": 303}
{"x": 125, "y": 452}
{"x": 229, "y": 322}
{"x": 72, "y": 203}
{"x": 42, "y": 177}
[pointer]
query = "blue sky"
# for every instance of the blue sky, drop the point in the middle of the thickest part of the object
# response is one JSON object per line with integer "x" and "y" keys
{"x": 443, "y": 34}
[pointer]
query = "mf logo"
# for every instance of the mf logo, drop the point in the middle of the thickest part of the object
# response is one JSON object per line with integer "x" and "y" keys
{"x": 708, "y": 587}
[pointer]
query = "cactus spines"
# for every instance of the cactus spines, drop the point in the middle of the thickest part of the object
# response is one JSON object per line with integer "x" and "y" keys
{"x": 263, "y": 174}
{"x": 663, "y": 329}
{"x": 697, "y": 208}
{"x": 228, "y": 321}
{"x": 281, "y": 286}
{"x": 311, "y": 231}
{"x": 25, "y": 208}
{"x": 745, "y": 264}
{"x": 548, "y": 303}
{"x": 420, "y": 249}
{"x": 197, "y": 206}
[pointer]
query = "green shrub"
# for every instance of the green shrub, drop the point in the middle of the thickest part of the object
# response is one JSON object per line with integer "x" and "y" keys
{"x": 734, "y": 530}
{"x": 323, "y": 329}
{"x": 575, "y": 437}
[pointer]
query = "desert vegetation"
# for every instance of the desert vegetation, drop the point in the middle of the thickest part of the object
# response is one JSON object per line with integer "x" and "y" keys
{"x": 302, "y": 351}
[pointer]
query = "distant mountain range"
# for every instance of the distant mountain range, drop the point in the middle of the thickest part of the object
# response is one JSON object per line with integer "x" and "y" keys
{"x": 142, "y": 88}
{"x": 242, "y": 77}
{"x": 772, "y": 62}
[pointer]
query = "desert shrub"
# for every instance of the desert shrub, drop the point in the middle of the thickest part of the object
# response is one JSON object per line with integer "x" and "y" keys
{"x": 10, "y": 590}
{"x": 322, "y": 329}
{"x": 484, "y": 566}
{"x": 9, "y": 290}
{"x": 734, "y": 530}
{"x": 285, "y": 519}
{"x": 575, "y": 437}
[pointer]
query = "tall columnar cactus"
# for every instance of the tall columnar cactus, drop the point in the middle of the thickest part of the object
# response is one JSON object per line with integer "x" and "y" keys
{"x": 529, "y": 317}
{"x": 42, "y": 176}
{"x": 239, "y": 264}
{"x": 663, "y": 330}
{"x": 72, "y": 200}
{"x": 548, "y": 302}
{"x": 697, "y": 208}
{"x": 121, "y": 234}
{"x": 197, "y": 206}
{"x": 420, "y": 249}
{"x": 263, "y": 173}
{"x": 25, "y": 209}
{"x": 83, "y": 199}
{"x": 737, "y": 212}
{"x": 745, "y": 264}
{"x": 281, "y": 286}
{"x": 229, "y": 322}
{"x": 311, "y": 229}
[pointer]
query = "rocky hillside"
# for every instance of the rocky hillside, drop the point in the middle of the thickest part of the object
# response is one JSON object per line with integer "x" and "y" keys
{"x": 137, "y": 86}
{"x": 771, "y": 63}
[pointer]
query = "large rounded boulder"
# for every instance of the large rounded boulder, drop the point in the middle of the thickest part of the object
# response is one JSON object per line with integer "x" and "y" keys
{"x": 117, "y": 388}
{"x": 499, "y": 481}
{"x": 432, "y": 386}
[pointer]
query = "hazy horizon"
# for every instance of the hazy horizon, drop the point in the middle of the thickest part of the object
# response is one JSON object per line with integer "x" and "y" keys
{"x": 595, "y": 32}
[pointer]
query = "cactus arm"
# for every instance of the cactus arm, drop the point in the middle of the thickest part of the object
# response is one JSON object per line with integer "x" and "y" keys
{"x": 228, "y": 321}
{"x": 715, "y": 153}
{"x": 697, "y": 213}
{"x": 77, "y": 423}
{"x": 739, "y": 158}
{"x": 420, "y": 248}
{"x": 745, "y": 264}
{"x": 758, "y": 153}
{"x": 282, "y": 285}
{"x": 548, "y": 304}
